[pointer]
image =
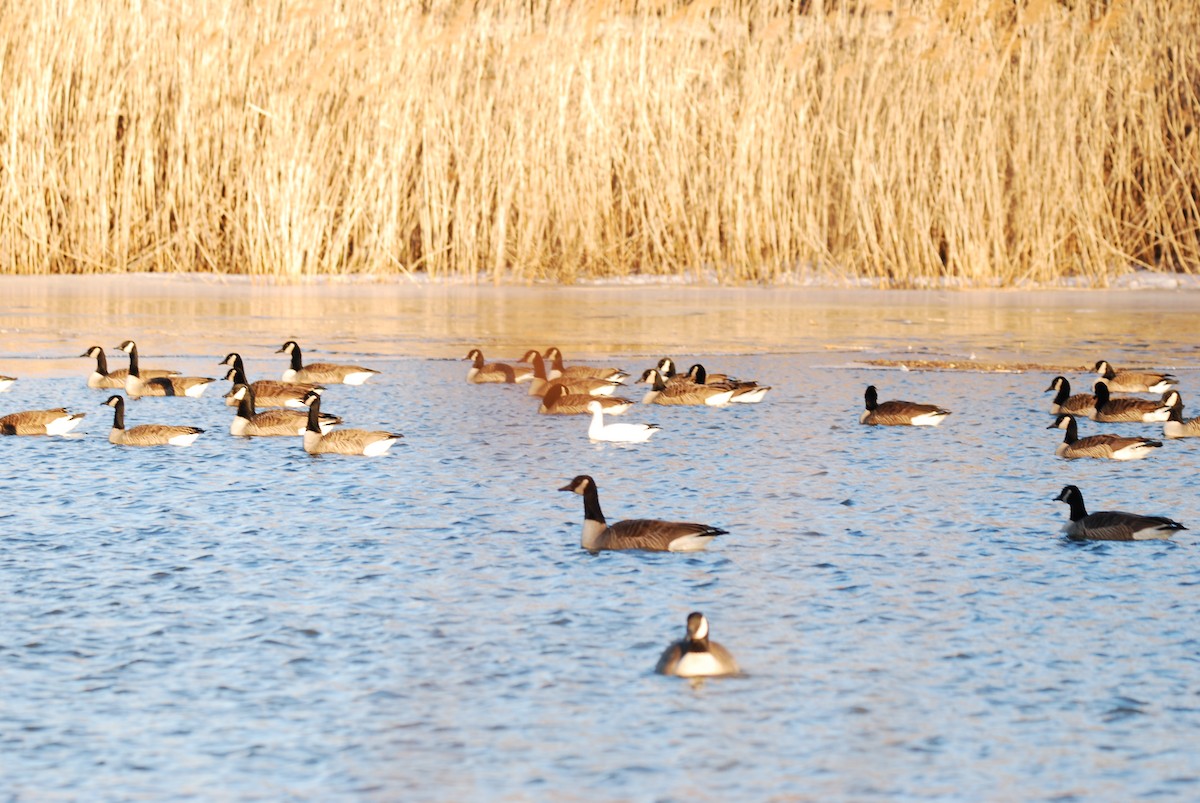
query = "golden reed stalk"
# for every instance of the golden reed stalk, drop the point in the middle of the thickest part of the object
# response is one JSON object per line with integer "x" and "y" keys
{"x": 904, "y": 141}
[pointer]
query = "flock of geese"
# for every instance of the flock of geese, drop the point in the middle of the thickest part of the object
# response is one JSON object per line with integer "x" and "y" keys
{"x": 293, "y": 408}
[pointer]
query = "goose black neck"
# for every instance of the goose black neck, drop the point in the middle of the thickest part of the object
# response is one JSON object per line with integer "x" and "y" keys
{"x": 239, "y": 374}
{"x": 591, "y": 504}
{"x": 693, "y": 644}
{"x": 699, "y": 375}
{"x": 246, "y": 404}
{"x": 314, "y": 415}
{"x": 119, "y": 414}
{"x": 1102, "y": 397}
{"x": 556, "y": 361}
{"x": 1078, "y": 511}
{"x": 1072, "y": 432}
{"x": 1064, "y": 393}
{"x": 101, "y": 362}
{"x": 539, "y": 367}
{"x": 1176, "y": 413}
{"x": 553, "y": 394}
{"x": 297, "y": 363}
{"x": 133, "y": 362}
{"x": 659, "y": 385}
{"x": 872, "y": 398}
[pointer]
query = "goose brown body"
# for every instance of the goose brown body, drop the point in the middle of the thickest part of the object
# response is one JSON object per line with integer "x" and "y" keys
{"x": 572, "y": 385}
{"x": 1110, "y": 410}
{"x": 685, "y": 392}
{"x": 1112, "y": 525}
{"x": 899, "y": 413}
{"x": 370, "y": 443}
{"x": 147, "y": 434}
{"x": 648, "y": 534}
{"x": 558, "y": 370}
{"x": 1104, "y": 446}
{"x": 1134, "y": 381}
{"x": 557, "y": 401}
{"x": 321, "y": 373}
{"x": 58, "y": 421}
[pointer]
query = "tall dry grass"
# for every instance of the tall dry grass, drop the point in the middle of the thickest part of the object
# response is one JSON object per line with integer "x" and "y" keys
{"x": 907, "y": 141}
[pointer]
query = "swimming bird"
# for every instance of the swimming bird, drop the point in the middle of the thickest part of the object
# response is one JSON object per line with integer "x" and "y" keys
{"x": 1110, "y": 410}
{"x": 321, "y": 373}
{"x": 557, "y": 370}
{"x": 558, "y": 402}
{"x": 616, "y": 433}
{"x": 267, "y": 392}
{"x": 1134, "y": 381}
{"x": 695, "y": 655}
{"x": 682, "y": 393}
{"x": 481, "y": 373}
{"x": 103, "y": 378}
{"x": 1083, "y": 404}
{"x": 744, "y": 391}
{"x": 585, "y": 385}
{"x": 146, "y": 434}
{"x": 6, "y": 383}
{"x": 58, "y": 421}
{"x": 137, "y": 385}
{"x": 1175, "y": 426}
{"x": 1112, "y": 525}
{"x": 1111, "y": 447}
{"x": 648, "y": 534}
{"x": 370, "y": 443}
{"x": 248, "y": 423}
{"x": 899, "y": 413}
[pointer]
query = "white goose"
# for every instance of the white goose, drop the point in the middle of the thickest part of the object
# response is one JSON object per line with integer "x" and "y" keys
{"x": 616, "y": 433}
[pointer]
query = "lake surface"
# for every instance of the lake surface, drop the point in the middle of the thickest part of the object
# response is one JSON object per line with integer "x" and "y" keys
{"x": 241, "y": 621}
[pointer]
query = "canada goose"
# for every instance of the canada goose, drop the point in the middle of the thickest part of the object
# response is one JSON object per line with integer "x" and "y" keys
{"x": 558, "y": 402}
{"x": 684, "y": 392}
{"x": 1134, "y": 381}
{"x": 103, "y": 378}
{"x": 649, "y": 534}
{"x": 325, "y": 373}
{"x": 1112, "y": 447}
{"x": 1175, "y": 426}
{"x": 250, "y": 423}
{"x": 899, "y": 413}
{"x": 343, "y": 441}
{"x": 59, "y": 421}
{"x": 1112, "y": 525}
{"x": 137, "y": 385}
{"x": 694, "y": 655}
{"x": 558, "y": 370}
{"x": 744, "y": 392}
{"x": 481, "y": 373}
{"x": 6, "y": 383}
{"x": 585, "y": 385}
{"x": 146, "y": 434}
{"x": 1110, "y": 410}
{"x": 616, "y": 433}
{"x": 267, "y": 392}
{"x": 670, "y": 376}
{"x": 1082, "y": 404}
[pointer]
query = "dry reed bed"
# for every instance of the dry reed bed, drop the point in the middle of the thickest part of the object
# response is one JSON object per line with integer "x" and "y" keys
{"x": 908, "y": 142}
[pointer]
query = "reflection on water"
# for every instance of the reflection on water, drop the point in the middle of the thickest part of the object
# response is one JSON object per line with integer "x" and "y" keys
{"x": 239, "y": 620}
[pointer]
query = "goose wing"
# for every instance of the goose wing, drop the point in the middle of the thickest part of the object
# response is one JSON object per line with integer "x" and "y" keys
{"x": 1105, "y": 445}
{"x": 1119, "y": 526}
{"x": 655, "y": 535}
{"x": 903, "y": 412}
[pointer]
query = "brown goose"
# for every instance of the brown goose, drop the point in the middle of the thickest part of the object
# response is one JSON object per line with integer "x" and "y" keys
{"x": 136, "y": 385}
{"x": 1134, "y": 381}
{"x": 585, "y": 385}
{"x": 1112, "y": 525}
{"x": 744, "y": 392}
{"x": 557, "y": 401}
{"x": 321, "y": 373}
{"x": 370, "y": 443}
{"x": 59, "y": 421}
{"x": 103, "y": 378}
{"x": 899, "y": 413}
{"x": 1175, "y": 426}
{"x": 695, "y": 655}
{"x": 267, "y": 392}
{"x": 146, "y": 434}
{"x": 249, "y": 423}
{"x": 682, "y": 393}
{"x": 482, "y": 373}
{"x": 1110, "y": 410}
{"x": 558, "y": 370}
{"x": 1082, "y": 404}
{"x": 1104, "y": 446}
{"x": 648, "y": 534}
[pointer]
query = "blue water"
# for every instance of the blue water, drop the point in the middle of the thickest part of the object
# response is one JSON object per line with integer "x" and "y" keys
{"x": 240, "y": 621}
